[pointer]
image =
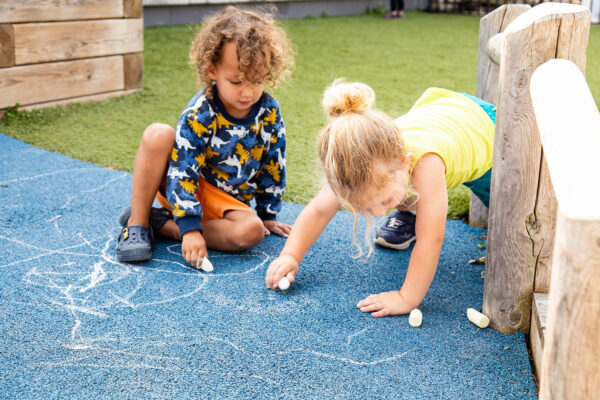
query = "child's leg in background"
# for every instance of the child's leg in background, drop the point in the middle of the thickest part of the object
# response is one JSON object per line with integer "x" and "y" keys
{"x": 149, "y": 170}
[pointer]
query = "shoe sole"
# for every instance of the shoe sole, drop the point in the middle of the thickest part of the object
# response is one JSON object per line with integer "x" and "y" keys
{"x": 400, "y": 246}
{"x": 134, "y": 255}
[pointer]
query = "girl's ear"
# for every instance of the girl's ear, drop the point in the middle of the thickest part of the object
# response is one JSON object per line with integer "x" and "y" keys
{"x": 212, "y": 72}
{"x": 406, "y": 162}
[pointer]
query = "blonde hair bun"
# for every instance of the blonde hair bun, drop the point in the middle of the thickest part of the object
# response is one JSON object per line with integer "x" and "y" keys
{"x": 345, "y": 97}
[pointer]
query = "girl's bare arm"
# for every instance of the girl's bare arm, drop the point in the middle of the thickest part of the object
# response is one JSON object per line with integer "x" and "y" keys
{"x": 306, "y": 230}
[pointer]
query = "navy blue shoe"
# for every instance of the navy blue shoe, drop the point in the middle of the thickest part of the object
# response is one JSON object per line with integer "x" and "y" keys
{"x": 158, "y": 218}
{"x": 135, "y": 241}
{"x": 134, "y": 244}
{"x": 398, "y": 232}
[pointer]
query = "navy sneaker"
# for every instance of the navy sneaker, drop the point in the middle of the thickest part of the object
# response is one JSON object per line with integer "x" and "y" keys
{"x": 398, "y": 232}
{"x": 134, "y": 244}
{"x": 158, "y": 217}
{"x": 135, "y": 241}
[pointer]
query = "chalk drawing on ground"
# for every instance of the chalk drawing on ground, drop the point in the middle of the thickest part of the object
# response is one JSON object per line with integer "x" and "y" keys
{"x": 83, "y": 280}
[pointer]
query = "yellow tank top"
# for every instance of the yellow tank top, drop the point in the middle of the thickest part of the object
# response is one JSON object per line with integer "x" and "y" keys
{"x": 455, "y": 128}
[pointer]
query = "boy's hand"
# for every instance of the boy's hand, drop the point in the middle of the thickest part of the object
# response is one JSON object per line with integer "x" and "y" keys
{"x": 278, "y": 228}
{"x": 284, "y": 265}
{"x": 384, "y": 304}
{"x": 193, "y": 247}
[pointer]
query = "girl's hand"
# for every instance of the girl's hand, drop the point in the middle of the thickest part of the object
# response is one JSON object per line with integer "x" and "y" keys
{"x": 193, "y": 247}
{"x": 284, "y": 265}
{"x": 384, "y": 304}
{"x": 278, "y": 228}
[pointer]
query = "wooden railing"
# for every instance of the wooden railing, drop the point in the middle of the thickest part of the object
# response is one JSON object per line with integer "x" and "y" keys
{"x": 544, "y": 216}
{"x": 569, "y": 126}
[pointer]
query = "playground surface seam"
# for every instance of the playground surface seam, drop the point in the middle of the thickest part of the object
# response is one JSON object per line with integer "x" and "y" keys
{"x": 75, "y": 323}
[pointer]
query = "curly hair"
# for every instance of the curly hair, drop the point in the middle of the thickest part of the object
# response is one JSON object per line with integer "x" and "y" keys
{"x": 264, "y": 53}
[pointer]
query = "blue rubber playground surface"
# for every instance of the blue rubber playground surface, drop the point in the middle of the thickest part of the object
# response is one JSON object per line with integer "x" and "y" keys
{"x": 75, "y": 323}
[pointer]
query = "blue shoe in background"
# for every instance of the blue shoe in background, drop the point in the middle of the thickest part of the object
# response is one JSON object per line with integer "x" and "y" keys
{"x": 398, "y": 232}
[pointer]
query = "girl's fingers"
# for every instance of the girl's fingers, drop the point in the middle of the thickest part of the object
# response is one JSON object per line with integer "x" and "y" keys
{"x": 381, "y": 313}
{"x": 372, "y": 307}
{"x": 367, "y": 300}
{"x": 291, "y": 277}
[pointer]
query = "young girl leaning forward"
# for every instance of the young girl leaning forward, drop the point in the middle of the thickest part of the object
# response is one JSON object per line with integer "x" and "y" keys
{"x": 373, "y": 165}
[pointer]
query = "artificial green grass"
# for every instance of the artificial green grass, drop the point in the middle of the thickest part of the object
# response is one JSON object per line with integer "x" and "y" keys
{"x": 398, "y": 58}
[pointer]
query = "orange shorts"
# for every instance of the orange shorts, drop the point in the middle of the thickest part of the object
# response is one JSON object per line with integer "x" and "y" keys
{"x": 215, "y": 202}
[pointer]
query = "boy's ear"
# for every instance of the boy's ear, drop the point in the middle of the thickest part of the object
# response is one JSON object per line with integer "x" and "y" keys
{"x": 212, "y": 72}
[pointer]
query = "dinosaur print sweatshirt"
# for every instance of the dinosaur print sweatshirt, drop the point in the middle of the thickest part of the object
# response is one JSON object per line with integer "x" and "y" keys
{"x": 243, "y": 157}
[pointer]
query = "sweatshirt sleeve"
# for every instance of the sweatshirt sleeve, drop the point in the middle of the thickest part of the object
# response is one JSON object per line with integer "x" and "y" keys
{"x": 271, "y": 178}
{"x": 187, "y": 158}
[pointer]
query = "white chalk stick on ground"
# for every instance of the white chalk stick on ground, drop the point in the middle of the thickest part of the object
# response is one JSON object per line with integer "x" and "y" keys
{"x": 479, "y": 319}
{"x": 284, "y": 283}
{"x": 206, "y": 265}
{"x": 415, "y": 318}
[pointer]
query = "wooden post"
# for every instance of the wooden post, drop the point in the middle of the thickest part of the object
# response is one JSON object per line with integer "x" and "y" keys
{"x": 487, "y": 81}
{"x": 522, "y": 206}
{"x": 569, "y": 125}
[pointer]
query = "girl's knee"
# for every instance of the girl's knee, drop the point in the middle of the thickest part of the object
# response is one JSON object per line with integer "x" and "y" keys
{"x": 158, "y": 136}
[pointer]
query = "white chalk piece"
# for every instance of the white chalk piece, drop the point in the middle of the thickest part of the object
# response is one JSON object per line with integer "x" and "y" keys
{"x": 284, "y": 283}
{"x": 415, "y": 318}
{"x": 479, "y": 319}
{"x": 206, "y": 265}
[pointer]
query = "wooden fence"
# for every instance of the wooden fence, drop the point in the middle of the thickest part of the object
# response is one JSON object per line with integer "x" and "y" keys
{"x": 55, "y": 51}
{"x": 544, "y": 216}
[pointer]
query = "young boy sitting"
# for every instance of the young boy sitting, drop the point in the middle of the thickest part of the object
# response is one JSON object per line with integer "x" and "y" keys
{"x": 229, "y": 147}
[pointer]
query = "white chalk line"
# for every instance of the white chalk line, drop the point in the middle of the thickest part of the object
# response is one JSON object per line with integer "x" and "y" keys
{"x": 156, "y": 367}
{"x": 60, "y": 171}
{"x": 316, "y": 353}
{"x": 258, "y": 266}
{"x": 353, "y": 335}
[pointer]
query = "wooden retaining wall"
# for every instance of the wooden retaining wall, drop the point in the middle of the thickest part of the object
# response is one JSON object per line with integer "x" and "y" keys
{"x": 56, "y": 51}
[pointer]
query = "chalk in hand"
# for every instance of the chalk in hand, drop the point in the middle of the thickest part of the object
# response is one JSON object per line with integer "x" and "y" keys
{"x": 415, "y": 318}
{"x": 284, "y": 283}
{"x": 206, "y": 265}
{"x": 477, "y": 318}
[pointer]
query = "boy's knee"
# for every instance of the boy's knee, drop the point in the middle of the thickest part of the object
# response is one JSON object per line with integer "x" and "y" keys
{"x": 158, "y": 135}
{"x": 249, "y": 233}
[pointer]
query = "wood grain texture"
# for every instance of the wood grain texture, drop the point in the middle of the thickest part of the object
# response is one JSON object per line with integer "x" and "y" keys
{"x": 522, "y": 212}
{"x": 487, "y": 83}
{"x": 539, "y": 316}
{"x": 78, "y": 99}
{"x": 7, "y": 45}
{"x": 132, "y": 8}
{"x": 572, "y": 338}
{"x": 43, "y": 42}
{"x": 39, "y": 83}
{"x": 133, "y": 70}
{"x": 58, "y": 10}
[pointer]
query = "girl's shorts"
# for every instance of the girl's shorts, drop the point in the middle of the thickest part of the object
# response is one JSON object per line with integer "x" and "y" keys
{"x": 481, "y": 186}
{"x": 215, "y": 202}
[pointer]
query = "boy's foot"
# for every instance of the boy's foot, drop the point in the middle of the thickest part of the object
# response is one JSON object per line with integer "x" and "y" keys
{"x": 390, "y": 15}
{"x": 158, "y": 218}
{"x": 134, "y": 244}
{"x": 398, "y": 232}
{"x": 135, "y": 241}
